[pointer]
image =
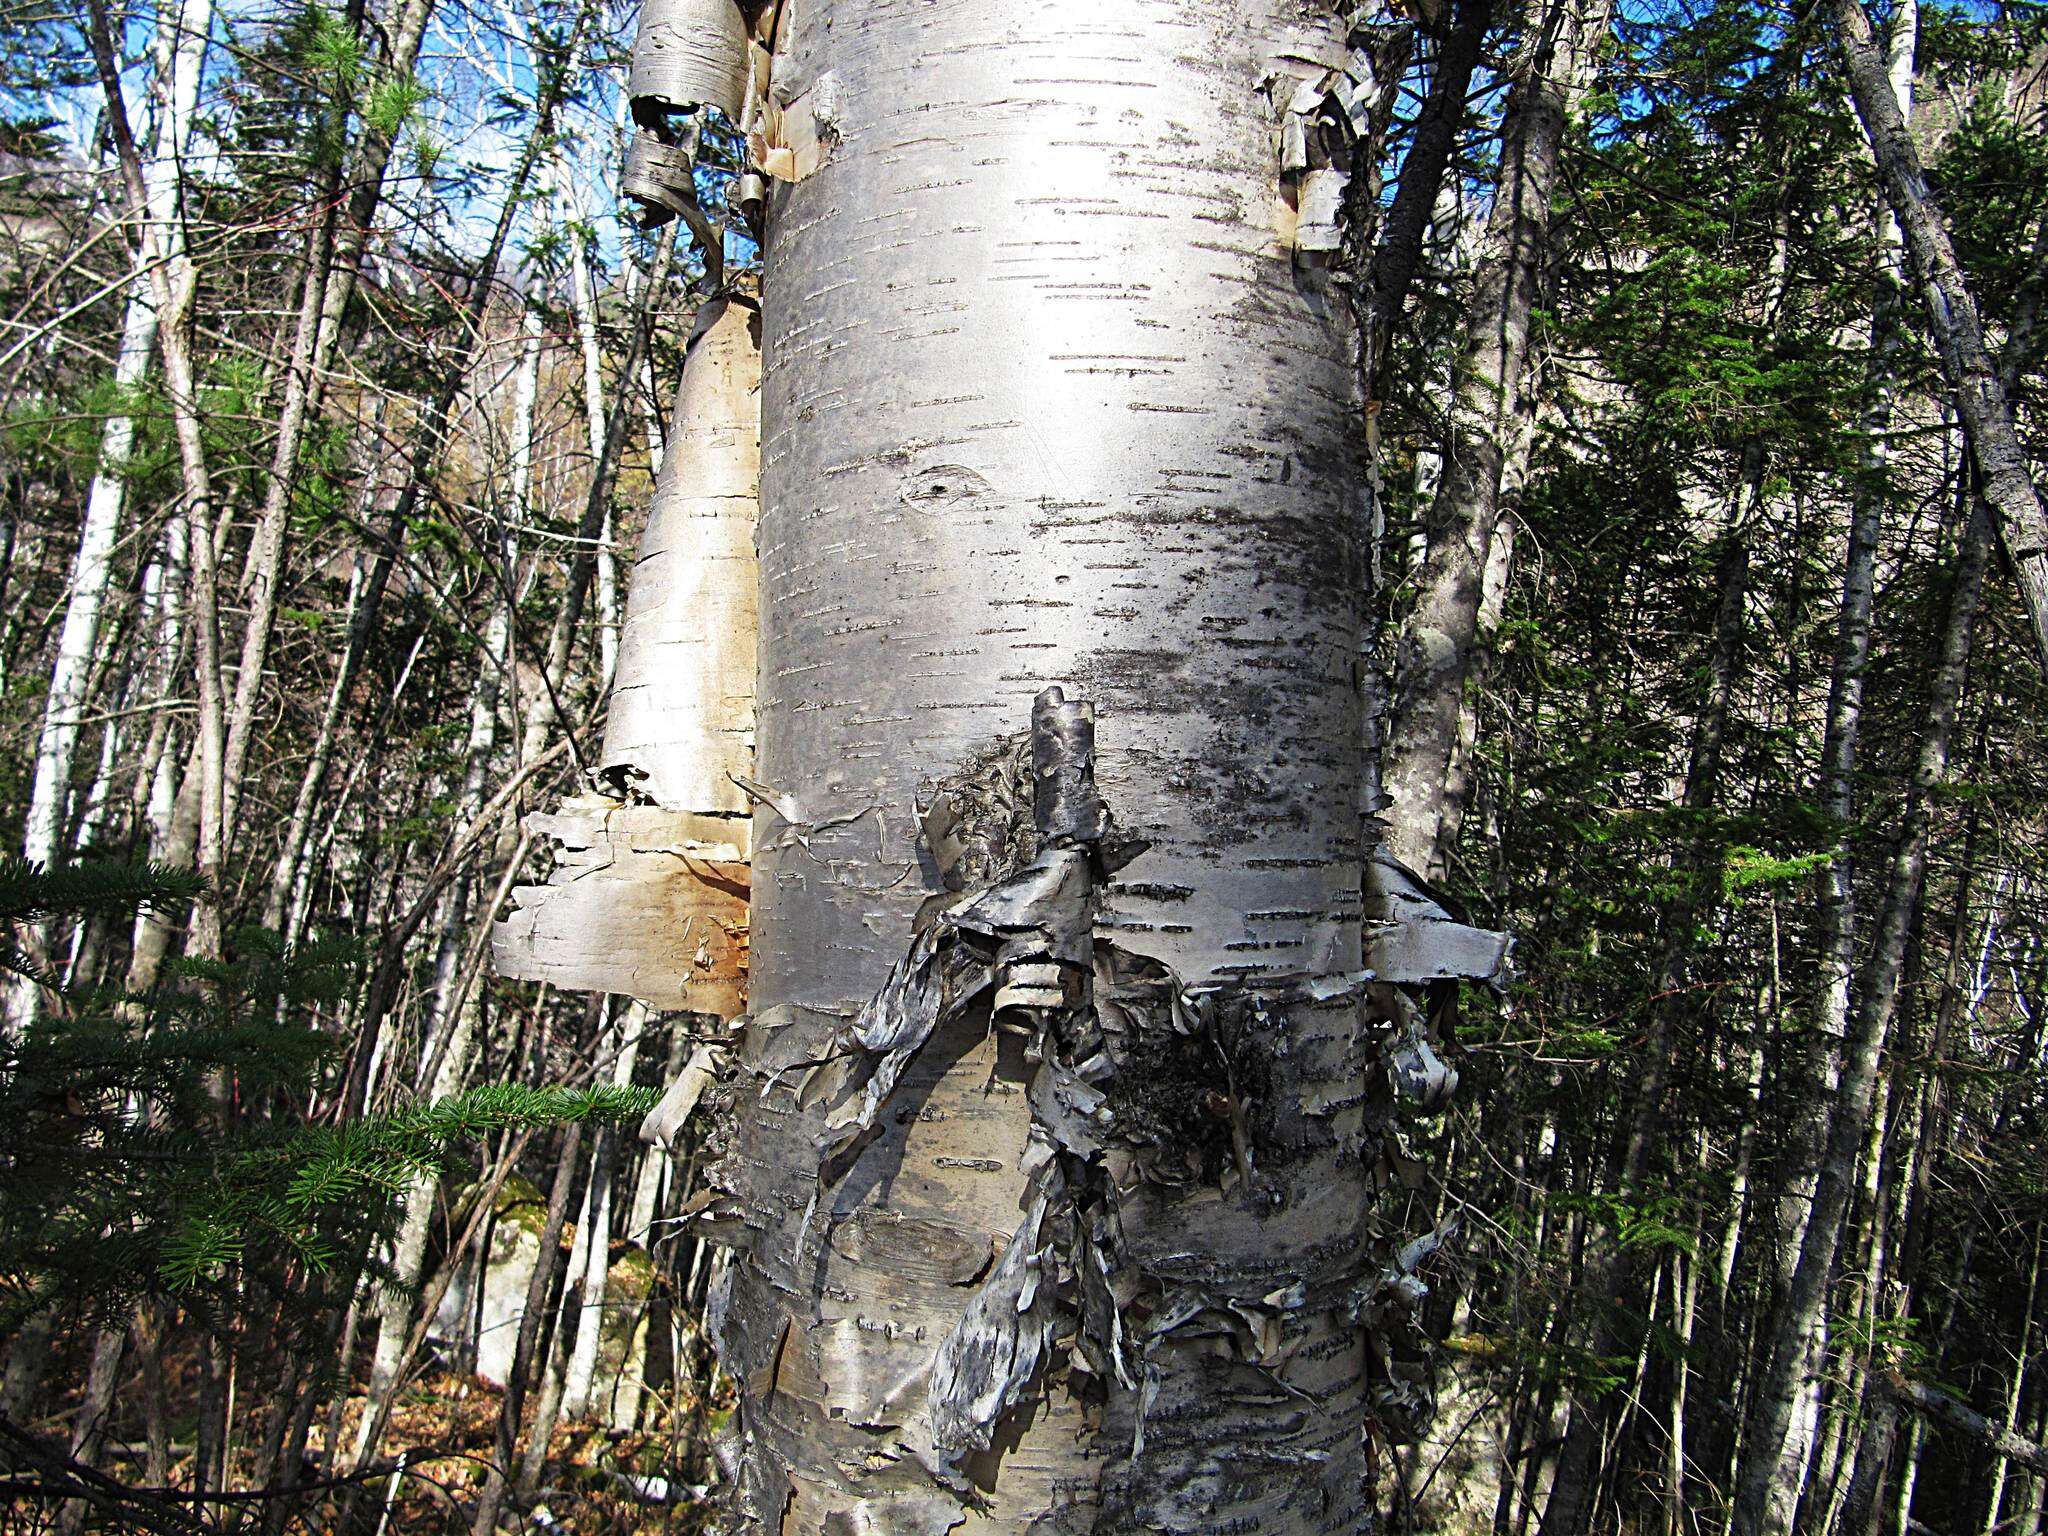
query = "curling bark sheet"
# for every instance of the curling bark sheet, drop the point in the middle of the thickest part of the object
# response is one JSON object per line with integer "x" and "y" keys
{"x": 688, "y": 55}
{"x": 649, "y": 895}
{"x": 1148, "y": 1104}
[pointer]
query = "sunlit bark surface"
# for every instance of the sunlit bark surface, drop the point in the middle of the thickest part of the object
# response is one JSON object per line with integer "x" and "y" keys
{"x": 1050, "y": 399}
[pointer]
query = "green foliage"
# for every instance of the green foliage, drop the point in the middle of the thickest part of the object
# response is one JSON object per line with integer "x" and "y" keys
{"x": 59, "y": 434}
{"x": 163, "y": 1145}
{"x": 327, "y": 44}
{"x": 289, "y": 1195}
{"x": 392, "y": 103}
{"x": 1745, "y": 869}
{"x": 31, "y": 892}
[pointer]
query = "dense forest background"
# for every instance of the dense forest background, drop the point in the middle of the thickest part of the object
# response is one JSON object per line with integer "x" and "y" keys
{"x": 332, "y": 387}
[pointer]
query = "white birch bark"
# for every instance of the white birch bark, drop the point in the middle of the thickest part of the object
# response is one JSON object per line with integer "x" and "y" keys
{"x": 1837, "y": 774}
{"x": 1029, "y": 269}
{"x": 183, "y": 31}
{"x": 163, "y": 600}
{"x": 649, "y": 898}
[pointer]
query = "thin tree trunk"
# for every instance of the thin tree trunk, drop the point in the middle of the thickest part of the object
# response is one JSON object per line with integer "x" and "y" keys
{"x": 1434, "y": 658}
{"x": 90, "y": 1433}
{"x": 433, "y": 429}
{"x": 1858, "y": 1507}
{"x": 1464, "y": 774}
{"x": 183, "y": 30}
{"x": 513, "y": 1407}
{"x": 584, "y": 304}
{"x": 2008, "y": 1425}
{"x": 1808, "y": 1134}
{"x": 284, "y": 874}
{"x": 175, "y": 284}
{"x": 582, "y": 1367}
{"x": 555, "y": 1346}
{"x": 1610, "y": 1277}
{"x": 1981, "y": 395}
{"x": 1768, "y": 1485}
{"x": 330, "y": 268}
{"x": 2027, "y": 1520}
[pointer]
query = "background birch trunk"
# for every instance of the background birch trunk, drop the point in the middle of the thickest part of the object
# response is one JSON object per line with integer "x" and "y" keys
{"x": 1773, "y": 1463}
{"x": 182, "y": 34}
{"x": 446, "y": 1051}
{"x": 1981, "y": 396}
{"x": 583, "y": 302}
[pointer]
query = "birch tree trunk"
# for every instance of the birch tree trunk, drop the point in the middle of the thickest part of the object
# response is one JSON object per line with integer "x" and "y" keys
{"x": 583, "y": 301}
{"x": 582, "y": 1367}
{"x": 1837, "y": 895}
{"x": 1852, "y": 645}
{"x": 1431, "y": 143}
{"x": 1434, "y": 657}
{"x": 1081, "y": 1271}
{"x": 183, "y": 32}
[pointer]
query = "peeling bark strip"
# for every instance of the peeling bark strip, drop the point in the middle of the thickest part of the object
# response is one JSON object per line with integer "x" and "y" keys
{"x": 680, "y": 731}
{"x": 1155, "y": 1111}
{"x": 686, "y": 53}
{"x": 649, "y": 895}
{"x": 1330, "y": 101}
{"x": 643, "y": 902}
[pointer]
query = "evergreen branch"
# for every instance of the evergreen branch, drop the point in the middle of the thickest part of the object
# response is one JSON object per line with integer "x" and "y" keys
{"x": 30, "y": 891}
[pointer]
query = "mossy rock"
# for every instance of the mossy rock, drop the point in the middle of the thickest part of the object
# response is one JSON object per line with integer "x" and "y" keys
{"x": 520, "y": 1200}
{"x": 631, "y": 1275}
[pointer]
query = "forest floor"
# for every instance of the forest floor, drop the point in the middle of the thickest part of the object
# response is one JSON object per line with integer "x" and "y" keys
{"x": 598, "y": 1481}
